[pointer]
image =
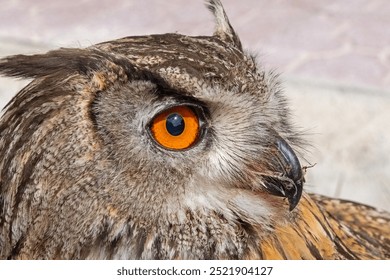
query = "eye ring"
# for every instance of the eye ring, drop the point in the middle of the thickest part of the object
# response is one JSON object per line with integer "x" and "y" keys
{"x": 176, "y": 128}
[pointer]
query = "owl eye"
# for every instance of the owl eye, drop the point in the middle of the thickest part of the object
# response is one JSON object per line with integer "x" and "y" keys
{"x": 176, "y": 128}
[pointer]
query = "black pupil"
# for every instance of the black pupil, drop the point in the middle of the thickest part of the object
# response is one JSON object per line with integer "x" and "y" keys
{"x": 175, "y": 124}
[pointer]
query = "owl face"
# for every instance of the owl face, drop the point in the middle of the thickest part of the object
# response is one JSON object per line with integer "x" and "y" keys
{"x": 203, "y": 113}
{"x": 131, "y": 143}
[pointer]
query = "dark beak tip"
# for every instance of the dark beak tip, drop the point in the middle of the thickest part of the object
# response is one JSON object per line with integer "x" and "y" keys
{"x": 294, "y": 199}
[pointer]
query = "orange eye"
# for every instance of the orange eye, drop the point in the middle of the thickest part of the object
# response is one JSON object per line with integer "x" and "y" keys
{"x": 176, "y": 128}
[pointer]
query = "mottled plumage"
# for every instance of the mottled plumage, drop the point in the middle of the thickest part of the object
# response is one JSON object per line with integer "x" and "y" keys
{"x": 83, "y": 175}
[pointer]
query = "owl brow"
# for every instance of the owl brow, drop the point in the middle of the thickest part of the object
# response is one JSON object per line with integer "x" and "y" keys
{"x": 135, "y": 73}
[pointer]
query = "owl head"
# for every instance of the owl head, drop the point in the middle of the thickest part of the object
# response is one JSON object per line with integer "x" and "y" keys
{"x": 159, "y": 146}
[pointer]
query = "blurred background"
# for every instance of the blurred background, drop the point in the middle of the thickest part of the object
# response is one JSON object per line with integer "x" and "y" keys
{"x": 333, "y": 56}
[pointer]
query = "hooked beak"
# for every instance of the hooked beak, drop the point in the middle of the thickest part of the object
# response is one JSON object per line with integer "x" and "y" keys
{"x": 290, "y": 183}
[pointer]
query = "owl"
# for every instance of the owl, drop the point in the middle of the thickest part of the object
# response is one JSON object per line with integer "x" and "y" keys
{"x": 164, "y": 147}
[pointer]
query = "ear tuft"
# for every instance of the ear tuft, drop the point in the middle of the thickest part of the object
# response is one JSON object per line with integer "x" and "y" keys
{"x": 40, "y": 65}
{"x": 223, "y": 29}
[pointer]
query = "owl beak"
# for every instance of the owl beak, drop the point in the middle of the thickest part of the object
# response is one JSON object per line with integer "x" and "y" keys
{"x": 290, "y": 184}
